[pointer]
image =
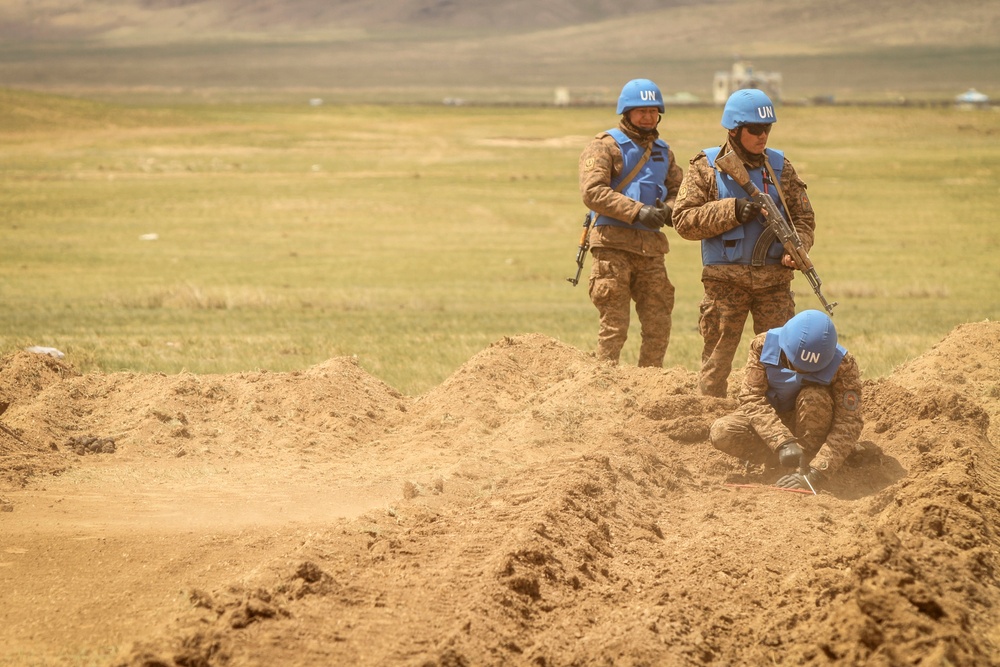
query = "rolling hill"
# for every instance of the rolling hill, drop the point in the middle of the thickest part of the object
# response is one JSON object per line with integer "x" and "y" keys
{"x": 512, "y": 50}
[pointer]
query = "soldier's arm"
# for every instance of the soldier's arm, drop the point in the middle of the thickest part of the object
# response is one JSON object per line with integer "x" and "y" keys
{"x": 753, "y": 400}
{"x": 675, "y": 175}
{"x": 847, "y": 419}
{"x": 698, "y": 211}
{"x": 800, "y": 209}
{"x": 600, "y": 162}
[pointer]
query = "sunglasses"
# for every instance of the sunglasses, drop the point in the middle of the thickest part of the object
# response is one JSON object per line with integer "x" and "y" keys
{"x": 757, "y": 129}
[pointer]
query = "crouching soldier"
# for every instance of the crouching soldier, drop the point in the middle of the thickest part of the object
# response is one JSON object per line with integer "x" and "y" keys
{"x": 800, "y": 403}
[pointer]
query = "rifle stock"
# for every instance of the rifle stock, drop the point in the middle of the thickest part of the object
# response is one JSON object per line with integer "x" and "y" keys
{"x": 731, "y": 165}
{"x": 581, "y": 251}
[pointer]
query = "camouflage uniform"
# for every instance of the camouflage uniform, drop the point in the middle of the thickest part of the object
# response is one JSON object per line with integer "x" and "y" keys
{"x": 826, "y": 421}
{"x": 733, "y": 291}
{"x": 628, "y": 263}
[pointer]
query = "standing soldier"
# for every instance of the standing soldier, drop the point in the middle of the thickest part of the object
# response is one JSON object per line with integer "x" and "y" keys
{"x": 800, "y": 404}
{"x": 746, "y": 271}
{"x": 629, "y": 180}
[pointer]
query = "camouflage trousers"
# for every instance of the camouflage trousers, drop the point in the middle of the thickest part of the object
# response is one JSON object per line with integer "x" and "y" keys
{"x": 724, "y": 310}
{"x": 617, "y": 278}
{"x": 810, "y": 423}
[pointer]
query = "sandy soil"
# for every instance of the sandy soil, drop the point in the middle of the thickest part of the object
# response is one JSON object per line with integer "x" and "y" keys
{"x": 536, "y": 508}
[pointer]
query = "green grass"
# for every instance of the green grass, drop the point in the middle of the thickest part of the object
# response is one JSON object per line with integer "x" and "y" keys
{"x": 414, "y": 237}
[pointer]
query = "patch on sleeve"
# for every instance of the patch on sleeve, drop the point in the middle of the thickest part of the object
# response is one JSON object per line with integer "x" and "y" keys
{"x": 590, "y": 162}
{"x": 804, "y": 199}
{"x": 682, "y": 191}
{"x": 851, "y": 401}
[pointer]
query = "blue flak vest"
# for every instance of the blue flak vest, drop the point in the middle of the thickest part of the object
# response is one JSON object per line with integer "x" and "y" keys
{"x": 648, "y": 185}
{"x": 784, "y": 384}
{"x": 735, "y": 246}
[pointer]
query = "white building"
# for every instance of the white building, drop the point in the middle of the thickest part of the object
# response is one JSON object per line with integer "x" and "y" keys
{"x": 744, "y": 76}
{"x": 972, "y": 98}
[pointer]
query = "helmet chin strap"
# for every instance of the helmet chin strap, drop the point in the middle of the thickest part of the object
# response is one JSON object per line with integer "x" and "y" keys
{"x": 736, "y": 141}
{"x": 640, "y": 131}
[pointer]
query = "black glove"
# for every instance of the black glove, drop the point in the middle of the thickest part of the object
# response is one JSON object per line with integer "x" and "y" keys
{"x": 651, "y": 216}
{"x": 747, "y": 210}
{"x": 668, "y": 213}
{"x": 809, "y": 481}
{"x": 789, "y": 454}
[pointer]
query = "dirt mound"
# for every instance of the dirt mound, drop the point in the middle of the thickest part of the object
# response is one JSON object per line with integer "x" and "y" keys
{"x": 23, "y": 375}
{"x": 158, "y": 415}
{"x": 536, "y": 508}
{"x": 965, "y": 361}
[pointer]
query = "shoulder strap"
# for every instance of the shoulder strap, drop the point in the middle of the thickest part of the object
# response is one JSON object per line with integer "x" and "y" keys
{"x": 777, "y": 186}
{"x": 635, "y": 169}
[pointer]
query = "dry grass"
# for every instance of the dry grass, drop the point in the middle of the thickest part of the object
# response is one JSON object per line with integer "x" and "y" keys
{"x": 429, "y": 233}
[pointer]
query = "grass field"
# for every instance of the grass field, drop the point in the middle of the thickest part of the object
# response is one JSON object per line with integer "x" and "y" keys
{"x": 415, "y": 236}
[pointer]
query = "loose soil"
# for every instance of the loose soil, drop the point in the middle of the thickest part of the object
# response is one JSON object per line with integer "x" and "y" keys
{"x": 536, "y": 508}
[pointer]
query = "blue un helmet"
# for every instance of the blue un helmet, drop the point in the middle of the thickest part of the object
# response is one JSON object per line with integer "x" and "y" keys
{"x": 640, "y": 93}
{"x": 809, "y": 341}
{"x": 747, "y": 106}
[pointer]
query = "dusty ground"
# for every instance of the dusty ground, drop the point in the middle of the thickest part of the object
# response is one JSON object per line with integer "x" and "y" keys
{"x": 536, "y": 508}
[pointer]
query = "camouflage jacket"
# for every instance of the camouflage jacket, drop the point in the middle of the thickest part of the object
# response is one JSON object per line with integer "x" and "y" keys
{"x": 845, "y": 389}
{"x": 600, "y": 162}
{"x": 700, "y": 214}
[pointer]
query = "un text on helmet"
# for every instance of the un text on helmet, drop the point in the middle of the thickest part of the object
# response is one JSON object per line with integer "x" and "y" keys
{"x": 765, "y": 113}
{"x": 809, "y": 357}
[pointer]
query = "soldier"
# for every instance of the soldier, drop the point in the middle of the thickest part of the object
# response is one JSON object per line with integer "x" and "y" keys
{"x": 629, "y": 179}
{"x": 800, "y": 402}
{"x": 740, "y": 275}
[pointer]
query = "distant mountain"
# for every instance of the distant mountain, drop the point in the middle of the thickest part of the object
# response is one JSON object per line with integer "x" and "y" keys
{"x": 45, "y": 19}
{"x": 816, "y": 22}
{"x": 503, "y": 49}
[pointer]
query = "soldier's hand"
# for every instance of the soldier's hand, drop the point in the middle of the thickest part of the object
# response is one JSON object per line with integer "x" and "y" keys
{"x": 789, "y": 454}
{"x": 668, "y": 213}
{"x": 809, "y": 481}
{"x": 650, "y": 216}
{"x": 747, "y": 210}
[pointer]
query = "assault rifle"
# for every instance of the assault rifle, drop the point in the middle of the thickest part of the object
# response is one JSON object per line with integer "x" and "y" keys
{"x": 581, "y": 252}
{"x": 784, "y": 231}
